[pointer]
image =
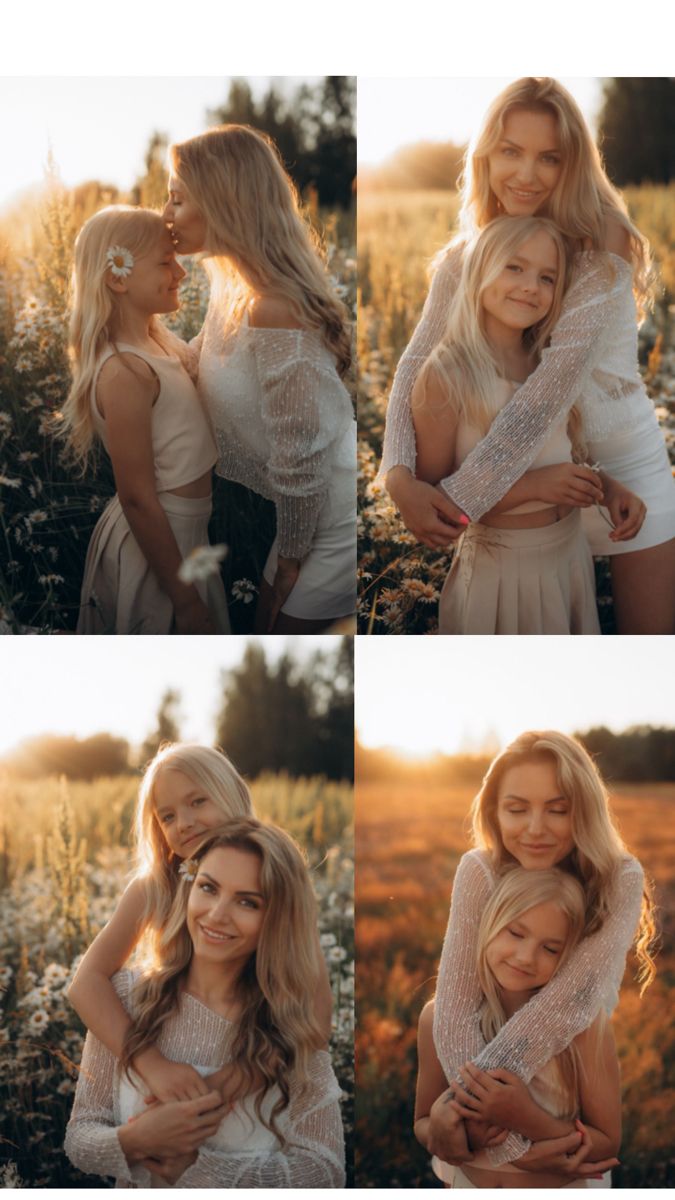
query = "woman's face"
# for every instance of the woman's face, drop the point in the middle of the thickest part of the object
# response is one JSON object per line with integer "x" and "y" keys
{"x": 534, "y": 819}
{"x": 183, "y": 811}
{"x": 226, "y": 907}
{"x": 525, "y": 954}
{"x": 524, "y": 290}
{"x": 181, "y": 213}
{"x": 526, "y": 164}
{"x": 152, "y": 286}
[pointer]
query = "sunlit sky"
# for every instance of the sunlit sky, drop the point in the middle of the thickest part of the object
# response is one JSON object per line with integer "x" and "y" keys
{"x": 395, "y": 113}
{"x": 422, "y": 695}
{"x": 82, "y": 686}
{"x": 99, "y": 128}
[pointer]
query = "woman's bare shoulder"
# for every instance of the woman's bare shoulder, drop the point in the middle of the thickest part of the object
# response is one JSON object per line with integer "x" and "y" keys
{"x": 616, "y": 238}
{"x": 272, "y": 312}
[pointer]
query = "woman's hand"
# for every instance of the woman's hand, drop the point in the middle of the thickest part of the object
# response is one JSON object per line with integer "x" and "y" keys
{"x": 425, "y": 510}
{"x": 285, "y": 579}
{"x": 193, "y": 617}
{"x": 625, "y": 508}
{"x": 172, "y": 1130}
{"x": 565, "y": 1156}
{"x": 166, "y": 1080}
{"x": 447, "y": 1136}
{"x": 566, "y": 483}
{"x": 498, "y": 1097}
{"x": 481, "y": 1134}
{"x": 169, "y": 1169}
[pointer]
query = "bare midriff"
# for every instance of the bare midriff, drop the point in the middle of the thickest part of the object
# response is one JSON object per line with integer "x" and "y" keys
{"x": 197, "y": 490}
{"x": 529, "y": 520}
{"x": 483, "y": 1178}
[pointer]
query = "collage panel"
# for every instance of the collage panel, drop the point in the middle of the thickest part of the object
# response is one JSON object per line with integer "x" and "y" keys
{"x": 526, "y": 1038}
{"x": 516, "y": 349}
{"x": 176, "y": 913}
{"x": 177, "y": 293}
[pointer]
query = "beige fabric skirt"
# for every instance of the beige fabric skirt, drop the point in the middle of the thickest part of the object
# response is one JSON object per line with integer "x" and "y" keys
{"x": 511, "y": 581}
{"x": 120, "y": 593}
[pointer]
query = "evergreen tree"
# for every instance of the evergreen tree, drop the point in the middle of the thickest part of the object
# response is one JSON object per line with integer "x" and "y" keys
{"x": 637, "y": 130}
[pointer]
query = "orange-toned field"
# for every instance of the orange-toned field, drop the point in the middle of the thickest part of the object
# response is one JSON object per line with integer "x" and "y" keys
{"x": 409, "y": 840}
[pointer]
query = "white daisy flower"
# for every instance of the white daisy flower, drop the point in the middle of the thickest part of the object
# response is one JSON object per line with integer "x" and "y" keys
{"x": 336, "y": 954}
{"x": 120, "y": 260}
{"x": 327, "y": 939}
{"x": 38, "y": 1021}
{"x": 201, "y": 562}
{"x": 244, "y": 590}
{"x": 188, "y": 869}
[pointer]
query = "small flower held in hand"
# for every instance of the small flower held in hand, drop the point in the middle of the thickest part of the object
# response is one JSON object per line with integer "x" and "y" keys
{"x": 201, "y": 563}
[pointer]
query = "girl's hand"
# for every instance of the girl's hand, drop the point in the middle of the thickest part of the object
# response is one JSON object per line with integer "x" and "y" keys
{"x": 626, "y": 510}
{"x": 169, "y": 1080}
{"x": 285, "y": 579}
{"x": 447, "y": 1135}
{"x": 425, "y": 510}
{"x": 481, "y": 1134}
{"x": 193, "y": 617}
{"x": 169, "y": 1169}
{"x": 566, "y": 483}
{"x": 499, "y": 1097}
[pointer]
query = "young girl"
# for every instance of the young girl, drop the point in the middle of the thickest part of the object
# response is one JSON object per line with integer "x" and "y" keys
{"x": 535, "y": 154}
{"x": 542, "y": 804}
{"x": 527, "y": 931}
{"x": 273, "y": 352}
{"x": 526, "y": 567}
{"x": 237, "y": 968}
{"x": 187, "y": 790}
{"x": 131, "y": 390}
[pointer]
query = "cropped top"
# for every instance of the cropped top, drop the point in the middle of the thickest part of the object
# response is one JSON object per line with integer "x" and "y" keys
{"x": 588, "y": 981}
{"x": 556, "y": 449}
{"x": 182, "y": 443}
{"x": 282, "y": 417}
{"x": 591, "y": 361}
{"x": 243, "y": 1153}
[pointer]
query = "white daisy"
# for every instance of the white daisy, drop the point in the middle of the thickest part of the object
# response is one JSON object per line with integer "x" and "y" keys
{"x": 38, "y": 1021}
{"x": 120, "y": 260}
{"x": 201, "y": 562}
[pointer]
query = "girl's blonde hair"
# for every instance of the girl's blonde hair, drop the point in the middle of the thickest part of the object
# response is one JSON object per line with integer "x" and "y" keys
{"x": 277, "y": 1030}
{"x": 256, "y": 235}
{"x": 463, "y": 360}
{"x": 517, "y": 892}
{"x": 582, "y": 200}
{"x": 209, "y": 770}
{"x": 599, "y": 850}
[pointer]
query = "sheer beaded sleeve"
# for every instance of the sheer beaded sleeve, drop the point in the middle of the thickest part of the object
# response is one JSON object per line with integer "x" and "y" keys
{"x": 312, "y": 1158}
{"x": 399, "y": 435}
{"x": 305, "y": 409}
{"x": 520, "y": 429}
{"x": 91, "y": 1141}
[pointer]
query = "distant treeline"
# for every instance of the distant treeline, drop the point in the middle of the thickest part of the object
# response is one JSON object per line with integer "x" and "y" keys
{"x": 642, "y": 754}
{"x": 636, "y": 134}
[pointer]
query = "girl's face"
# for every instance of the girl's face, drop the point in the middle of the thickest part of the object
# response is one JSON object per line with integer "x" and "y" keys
{"x": 226, "y": 907}
{"x": 526, "y": 164}
{"x": 534, "y": 819}
{"x": 183, "y": 811}
{"x": 188, "y": 227}
{"x": 152, "y": 286}
{"x": 525, "y": 953}
{"x": 523, "y": 292}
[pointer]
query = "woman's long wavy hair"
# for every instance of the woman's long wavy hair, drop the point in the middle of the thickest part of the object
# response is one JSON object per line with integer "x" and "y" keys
{"x": 463, "y": 360}
{"x": 95, "y": 312}
{"x": 517, "y": 892}
{"x": 256, "y": 235}
{"x": 598, "y": 847}
{"x": 208, "y": 769}
{"x": 277, "y": 1029}
{"x": 583, "y": 198}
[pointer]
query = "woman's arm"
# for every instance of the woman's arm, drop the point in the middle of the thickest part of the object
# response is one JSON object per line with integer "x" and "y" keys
{"x": 126, "y": 397}
{"x": 520, "y": 429}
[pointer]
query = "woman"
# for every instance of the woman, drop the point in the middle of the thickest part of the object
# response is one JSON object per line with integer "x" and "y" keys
{"x": 233, "y": 981}
{"x": 535, "y": 154}
{"x": 272, "y": 354}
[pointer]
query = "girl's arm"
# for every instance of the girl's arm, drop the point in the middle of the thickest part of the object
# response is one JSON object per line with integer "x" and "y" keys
{"x": 95, "y": 1000}
{"x": 431, "y": 1083}
{"x": 600, "y": 1088}
{"x": 522, "y": 426}
{"x": 126, "y": 398}
{"x": 435, "y": 429}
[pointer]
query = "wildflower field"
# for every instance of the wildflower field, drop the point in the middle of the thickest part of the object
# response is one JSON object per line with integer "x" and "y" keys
{"x": 64, "y": 862}
{"x": 398, "y": 235}
{"x": 409, "y": 841}
{"x": 47, "y": 512}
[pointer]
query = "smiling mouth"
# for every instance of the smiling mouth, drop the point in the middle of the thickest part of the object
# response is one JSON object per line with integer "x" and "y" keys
{"x": 214, "y": 936}
{"x": 538, "y": 846}
{"x": 193, "y": 838}
{"x": 519, "y": 971}
{"x": 521, "y": 195}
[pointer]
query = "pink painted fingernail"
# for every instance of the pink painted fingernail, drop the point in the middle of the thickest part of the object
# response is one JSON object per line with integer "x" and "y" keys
{"x": 463, "y": 520}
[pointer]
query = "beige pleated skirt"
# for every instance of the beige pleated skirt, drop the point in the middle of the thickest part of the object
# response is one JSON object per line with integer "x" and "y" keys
{"x": 510, "y": 581}
{"x": 121, "y": 594}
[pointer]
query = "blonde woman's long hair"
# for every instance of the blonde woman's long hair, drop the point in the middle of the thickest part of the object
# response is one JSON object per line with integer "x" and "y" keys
{"x": 210, "y": 770}
{"x": 599, "y": 850}
{"x": 256, "y": 235}
{"x": 277, "y": 1030}
{"x": 517, "y": 892}
{"x": 583, "y": 198}
{"x": 95, "y": 312}
{"x": 463, "y": 360}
